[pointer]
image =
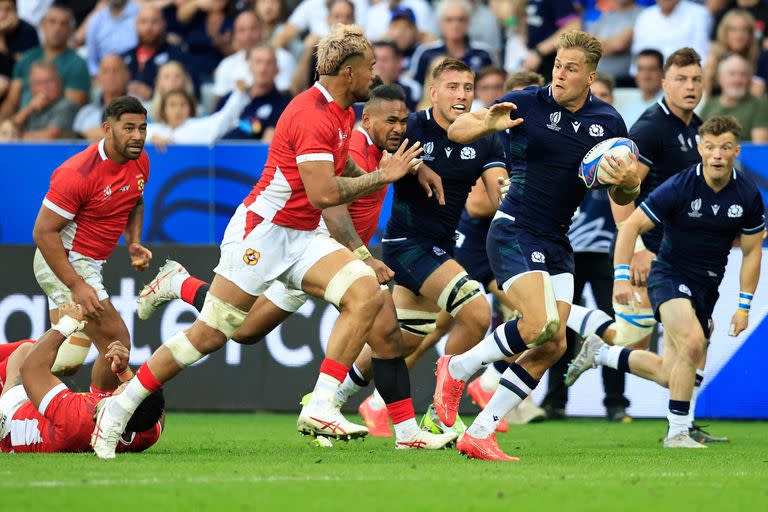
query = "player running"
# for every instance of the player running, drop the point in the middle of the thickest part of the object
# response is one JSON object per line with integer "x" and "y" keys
{"x": 38, "y": 413}
{"x": 552, "y": 128}
{"x": 701, "y": 209}
{"x": 273, "y": 237}
{"x": 94, "y": 198}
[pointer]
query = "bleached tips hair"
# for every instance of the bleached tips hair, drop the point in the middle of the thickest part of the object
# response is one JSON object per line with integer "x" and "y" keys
{"x": 343, "y": 43}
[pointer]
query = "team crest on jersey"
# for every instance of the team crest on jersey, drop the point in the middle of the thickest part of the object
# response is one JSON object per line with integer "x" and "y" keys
{"x": 468, "y": 153}
{"x": 684, "y": 289}
{"x": 107, "y": 192}
{"x": 251, "y": 257}
{"x": 695, "y": 207}
{"x": 140, "y": 184}
{"x": 596, "y": 130}
{"x": 537, "y": 257}
{"x": 554, "y": 120}
{"x": 735, "y": 211}
{"x": 429, "y": 147}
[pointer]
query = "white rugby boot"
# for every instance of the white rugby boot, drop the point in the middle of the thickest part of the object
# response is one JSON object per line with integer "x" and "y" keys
{"x": 158, "y": 291}
{"x": 585, "y": 359}
{"x": 111, "y": 420}
{"x": 320, "y": 418}
{"x": 681, "y": 440}
{"x": 423, "y": 440}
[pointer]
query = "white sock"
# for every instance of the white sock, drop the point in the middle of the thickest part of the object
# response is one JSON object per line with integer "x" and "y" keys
{"x": 325, "y": 389}
{"x": 493, "y": 347}
{"x": 177, "y": 280}
{"x": 130, "y": 399}
{"x": 346, "y": 390}
{"x": 489, "y": 380}
{"x": 677, "y": 423}
{"x": 694, "y": 396}
{"x": 511, "y": 391}
{"x": 376, "y": 401}
{"x": 406, "y": 429}
{"x": 587, "y": 321}
{"x": 609, "y": 356}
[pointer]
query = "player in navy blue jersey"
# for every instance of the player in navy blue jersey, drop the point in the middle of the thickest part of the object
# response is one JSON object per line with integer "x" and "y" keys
{"x": 702, "y": 210}
{"x": 552, "y": 128}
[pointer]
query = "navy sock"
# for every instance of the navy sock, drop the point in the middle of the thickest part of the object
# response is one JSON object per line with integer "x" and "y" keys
{"x": 501, "y": 366}
{"x": 624, "y": 361}
{"x": 392, "y": 380}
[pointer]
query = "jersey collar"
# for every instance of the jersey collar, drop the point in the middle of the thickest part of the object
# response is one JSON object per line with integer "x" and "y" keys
{"x": 102, "y": 153}
{"x": 699, "y": 172}
{"x": 554, "y": 101}
{"x": 367, "y": 137}
{"x": 662, "y": 102}
{"x": 325, "y": 92}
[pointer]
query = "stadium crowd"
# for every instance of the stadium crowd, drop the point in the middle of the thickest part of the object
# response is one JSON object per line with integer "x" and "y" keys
{"x": 61, "y": 61}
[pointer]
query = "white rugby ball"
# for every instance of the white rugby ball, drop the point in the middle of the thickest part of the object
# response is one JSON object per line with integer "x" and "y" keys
{"x": 589, "y": 170}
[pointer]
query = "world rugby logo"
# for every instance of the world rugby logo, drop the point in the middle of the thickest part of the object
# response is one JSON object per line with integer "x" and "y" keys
{"x": 554, "y": 120}
{"x": 684, "y": 289}
{"x": 428, "y": 148}
{"x": 695, "y": 207}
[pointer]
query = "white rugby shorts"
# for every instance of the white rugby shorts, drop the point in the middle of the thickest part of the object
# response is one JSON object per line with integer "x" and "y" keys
{"x": 87, "y": 268}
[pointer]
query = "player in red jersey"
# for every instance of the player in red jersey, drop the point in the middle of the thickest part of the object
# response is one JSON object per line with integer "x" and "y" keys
{"x": 93, "y": 199}
{"x": 273, "y": 236}
{"x": 38, "y": 413}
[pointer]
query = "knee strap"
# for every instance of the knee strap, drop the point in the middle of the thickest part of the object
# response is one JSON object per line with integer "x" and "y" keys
{"x": 459, "y": 290}
{"x": 632, "y": 324}
{"x": 221, "y": 316}
{"x": 552, "y": 323}
{"x": 72, "y": 353}
{"x": 340, "y": 283}
{"x": 182, "y": 350}
{"x": 417, "y": 322}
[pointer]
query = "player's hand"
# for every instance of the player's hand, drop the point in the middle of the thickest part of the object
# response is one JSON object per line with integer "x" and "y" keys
{"x": 432, "y": 183}
{"x": 140, "y": 256}
{"x": 504, "y": 184}
{"x": 622, "y": 292}
{"x": 86, "y": 297}
{"x": 383, "y": 273}
{"x": 398, "y": 164}
{"x": 75, "y": 311}
{"x": 739, "y": 322}
{"x": 640, "y": 267}
{"x": 498, "y": 118}
{"x": 117, "y": 355}
{"x": 621, "y": 173}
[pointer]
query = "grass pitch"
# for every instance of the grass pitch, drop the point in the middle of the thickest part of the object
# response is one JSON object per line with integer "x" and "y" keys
{"x": 259, "y": 462}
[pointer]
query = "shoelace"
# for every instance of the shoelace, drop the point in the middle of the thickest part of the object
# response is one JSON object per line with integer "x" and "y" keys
{"x": 457, "y": 388}
{"x": 699, "y": 428}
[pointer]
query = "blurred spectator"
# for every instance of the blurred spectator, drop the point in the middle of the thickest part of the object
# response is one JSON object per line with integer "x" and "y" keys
{"x": 247, "y": 35}
{"x": 734, "y": 75}
{"x": 389, "y": 67}
{"x": 339, "y": 12}
{"x": 16, "y": 37}
{"x": 170, "y": 76}
{"x": 9, "y": 131}
{"x": 380, "y": 14}
{"x": 176, "y": 124}
{"x": 33, "y": 11}
{"x": 206, "y": 28}
{"x": 271, "y": 14}
{"x": 404, "y": 33}
{"x": 312, "y": 16}
{"x": 113, "y": 79}
{"x": 49, "y": 114}
{"x": 426, "y": 99}
{"x": 453, "y": 16}
{"x": 757, "y": 8}
{"x": 735, "y": 34}
{"x": 57, "y": 27}
{"x": 546, "y": 20}
{"x": 489, "y": 86}
{"x": 670, "y": 25}
{"x": 151, "y": 52}
{"x": 650, "y": 72}
{"x": 614, "y": 29}
{"x": 111, "y": 31}
{"x": 484, "y": 27}
{"x": 522, "y": 79}
{"x": 603, "y": 87}
{"x": 259, "y": 118}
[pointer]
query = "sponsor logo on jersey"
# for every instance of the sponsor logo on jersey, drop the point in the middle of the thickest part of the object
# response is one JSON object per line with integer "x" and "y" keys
{"x": 576, "y": 125}
{"x": 537, "y": 257}
{"x": 448, "y": 152}
{"x": 554, "y": 120}
{"x": 715, "y": 208}
{"x": 596, "y": 130}
{"x": 684, "y": 289}
{"x": 107, "y": 192}
{"x": 735, "y": 211}
{"x": 438, "y": 251}
{"x": 124, "y": 188}
{"x": 695, "y": 207}
{"x": 251, "y": 257}
{"x": 468, "y": 153}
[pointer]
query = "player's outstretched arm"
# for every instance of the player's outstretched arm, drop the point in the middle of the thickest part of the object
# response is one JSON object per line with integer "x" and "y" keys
{"x": 636, "y": 224}
{"x": 752, "y": 251}
{"x": 469, "y": 127}
{"x": 36, "y": 370}
{"x": 140, "y": 255}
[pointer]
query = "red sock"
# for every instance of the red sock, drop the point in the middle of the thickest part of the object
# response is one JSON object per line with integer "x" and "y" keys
{"x": 401, "y": 410}
{"x": 189, "y": 289}
{"x": 6, "y": 349}
{"x": 335, "y": 369}
{"x": 147, "y": 379}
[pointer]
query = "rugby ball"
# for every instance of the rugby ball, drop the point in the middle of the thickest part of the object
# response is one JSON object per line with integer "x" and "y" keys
{"x": 589, "y": 170}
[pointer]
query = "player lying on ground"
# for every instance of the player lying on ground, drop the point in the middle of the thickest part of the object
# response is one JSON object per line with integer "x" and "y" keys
{"x": 273, "y": 236}
{"x": 93, "y": 199}
{"x": 38, "y": 413}
{"x": 701, "y": 210}
{"x": 528, "y": 247}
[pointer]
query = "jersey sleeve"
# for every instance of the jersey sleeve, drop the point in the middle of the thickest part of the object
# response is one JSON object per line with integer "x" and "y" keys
{"x": 357, "y": 151}
{"x": 646, "y": 136}
{"x": 754, "y": 218}
{"x": 313, "y": 142}
{"x": 67, "y": 192}
{"x": 662, "y": 201}
{"x": 496, "y": 157}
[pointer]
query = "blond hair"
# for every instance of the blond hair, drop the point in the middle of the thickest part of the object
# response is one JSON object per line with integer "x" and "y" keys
{"x": 585, "y": 42}
{"x": 343, "y": 43}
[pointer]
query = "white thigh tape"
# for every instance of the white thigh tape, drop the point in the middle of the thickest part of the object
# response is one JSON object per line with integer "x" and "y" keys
{"x": 72, "y": 353}
{"x": 340, "y": 283}
{"x": 182, "y": 350}
{"x": 459, "y": 290}
{"x": 221, "y": 316}
{"x": 417, "y": 322}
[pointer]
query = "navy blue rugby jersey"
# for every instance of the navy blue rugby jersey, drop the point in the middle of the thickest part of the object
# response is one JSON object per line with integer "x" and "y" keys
{"x": 459, "y": 166}
{"x": 700, "y": 224}
{"x": 544, "y": 156}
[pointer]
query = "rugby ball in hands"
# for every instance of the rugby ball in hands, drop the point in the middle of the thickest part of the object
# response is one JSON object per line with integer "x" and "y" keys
{"x": 589, "y": 170}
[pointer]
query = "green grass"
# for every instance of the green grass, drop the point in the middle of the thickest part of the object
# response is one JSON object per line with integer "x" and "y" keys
{"x": 258, "y": 462}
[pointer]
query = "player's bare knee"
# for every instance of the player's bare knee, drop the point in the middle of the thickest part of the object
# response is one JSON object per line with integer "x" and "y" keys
{"x": 537, "y": 331}
{"x": 693, "y": 349}
{"x": 363, "y": 300}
